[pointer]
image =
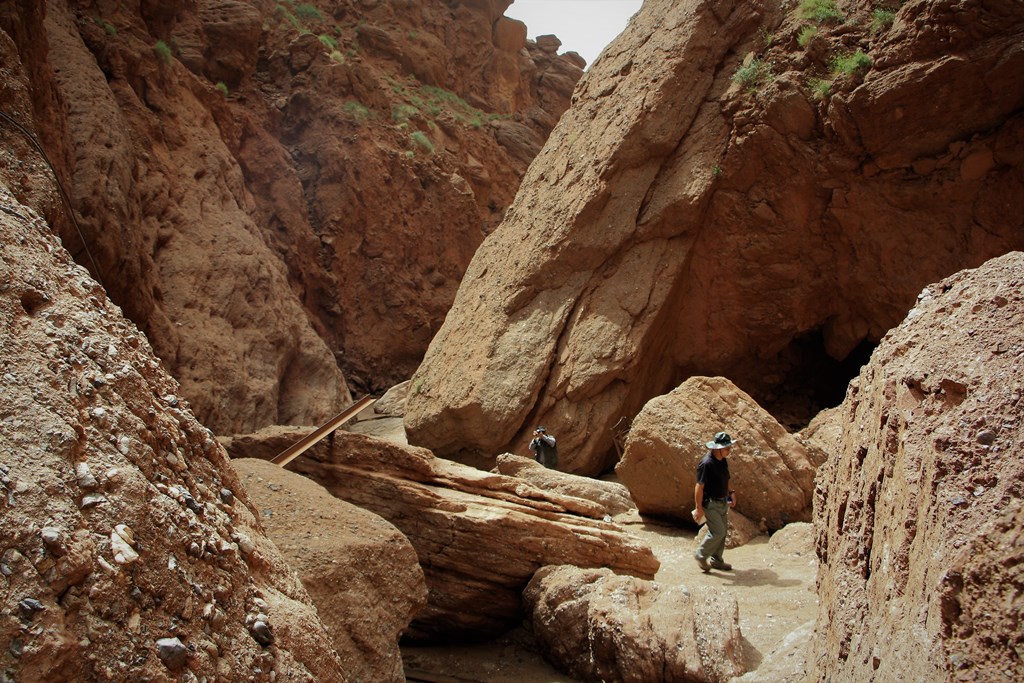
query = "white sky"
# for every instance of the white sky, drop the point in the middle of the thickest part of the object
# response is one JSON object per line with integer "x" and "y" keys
{"x": 583, "y": 26}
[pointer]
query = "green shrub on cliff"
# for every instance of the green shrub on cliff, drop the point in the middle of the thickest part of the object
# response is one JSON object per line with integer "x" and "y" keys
{"x": 881, "y": 19}
{"x": 420, "y": 139}
{"x": 821, "y": 11}
{"x": 806, "y": 35}
{"x": 357, "y": 110}
{"x": 858, "y": 62}
{"x": 753, "y": 74}
{"x": 309, "y": 12}
{"x": 163, "y": 52}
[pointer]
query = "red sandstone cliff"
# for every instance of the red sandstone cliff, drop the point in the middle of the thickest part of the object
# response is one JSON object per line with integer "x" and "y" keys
{"x": 740, "y": 189}
{"x": 274, "y": 191}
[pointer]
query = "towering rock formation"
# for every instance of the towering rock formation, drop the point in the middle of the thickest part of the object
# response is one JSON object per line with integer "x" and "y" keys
{"x": 918, "y": 514}
{"x": 740, "y": 189}
{"x": 128, "y": 548}
{"x": 272, "y": 190}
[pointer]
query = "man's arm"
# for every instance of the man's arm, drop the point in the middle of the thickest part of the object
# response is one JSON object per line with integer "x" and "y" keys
{"x": 731, "y": 494}
{"x": 698, "y": 497}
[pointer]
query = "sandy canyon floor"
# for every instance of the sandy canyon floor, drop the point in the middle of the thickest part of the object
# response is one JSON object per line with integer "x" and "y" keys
{"x": 773, "y": 584}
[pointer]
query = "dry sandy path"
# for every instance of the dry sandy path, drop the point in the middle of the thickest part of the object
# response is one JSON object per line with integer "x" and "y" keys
{"x": 773, "y": 583}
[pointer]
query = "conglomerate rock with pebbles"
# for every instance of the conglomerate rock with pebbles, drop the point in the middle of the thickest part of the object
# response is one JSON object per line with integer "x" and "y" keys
{"x": 128, "y": 550}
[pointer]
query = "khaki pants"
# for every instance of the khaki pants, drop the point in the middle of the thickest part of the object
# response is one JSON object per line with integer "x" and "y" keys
{"x": 716, "y": 512}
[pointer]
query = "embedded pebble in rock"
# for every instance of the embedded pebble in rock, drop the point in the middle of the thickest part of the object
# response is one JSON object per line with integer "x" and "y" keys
{"x": 121, "y": 546}
{"x": 53, "y": 540}
{"x": 227, "y": 497}
{"x": 261, "y": 633}
{"x": 173, "y": 653}
{"x": 84, "y": 476}
{"x": 986, "y": 437}
{"x": 92, "y": 500}
{"x": 29, "y": 607}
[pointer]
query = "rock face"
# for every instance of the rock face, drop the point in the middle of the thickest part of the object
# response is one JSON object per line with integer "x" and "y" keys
{"x": 772, "y": 472}
{"x": 129, "y": 548}
{"x": 599, "y": 626}
{"x": 700, "y": 211}
{"x": 360, "y": 571}
{"x": 479, "y": 536}
{"x": 271, "y": 190}
{"x": 612, "y": 498}
{"x": 918, "y": 515}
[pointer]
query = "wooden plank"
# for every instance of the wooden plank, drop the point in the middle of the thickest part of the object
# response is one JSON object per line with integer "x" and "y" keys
{"x": 307, "y": 442}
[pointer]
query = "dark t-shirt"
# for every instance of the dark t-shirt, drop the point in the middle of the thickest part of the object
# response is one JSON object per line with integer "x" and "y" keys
{"x": 714, "y": 474}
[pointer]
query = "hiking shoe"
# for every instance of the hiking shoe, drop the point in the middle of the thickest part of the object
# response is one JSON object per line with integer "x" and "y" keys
{"x": 704, "y": 566}
{"x": 720, "y": 564}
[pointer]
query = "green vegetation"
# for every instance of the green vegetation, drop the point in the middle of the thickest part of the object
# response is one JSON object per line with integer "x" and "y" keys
{"x": 858, "y": 62}
{"x": 881, "y": 19}
{"x": 420, "y": 139}
{"x": 821, "y": 11}
{"x": 806, "y": 35}
{"x": 222, "y": 88}
{"x": 409, "y": 154}
{"x": 106, "y": 26}
{"x": 163, "y": 52}
{"x": 765, "y": 36}
{"x": 403, "y": 112}
{"x": 336, "y": 56}
{"x": 329, "y": 42}
{"x": 821, "y": 88}
{"x": 753, "y": 74}
{"x": 308, "y": 12}
{"x": 357, "y": 110}
{"x": 291, "y": 19}
{"x": 716, "y": 171}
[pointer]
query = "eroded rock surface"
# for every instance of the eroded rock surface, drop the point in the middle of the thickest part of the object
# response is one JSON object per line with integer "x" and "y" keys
{"x": 273, "y": 190}
{"x": 128, "y": 548}
{"x": 612, "y": 498}
{"x": 479, "y": 536}
{"x": 689, "y": 218}
{"x": 361, "y": 572}
{"x": 918, "y": 514}
{"x": 600, "y": 626}
{"x": 772, "y": 472}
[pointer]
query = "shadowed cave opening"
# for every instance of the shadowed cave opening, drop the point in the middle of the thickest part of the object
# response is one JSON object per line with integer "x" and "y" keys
{"x": 804, "y": 379}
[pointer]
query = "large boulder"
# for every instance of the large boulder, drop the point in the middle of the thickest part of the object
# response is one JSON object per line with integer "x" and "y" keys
{"x": 772, "y": 472}
{"x": 599, "y": 626}
{"x": 129, "y": 549}
{"x": 683, "y": 222}
{"x": 479, "y": 536}
{"x": 918, "y": 514}
{"x": 361, "y": 572}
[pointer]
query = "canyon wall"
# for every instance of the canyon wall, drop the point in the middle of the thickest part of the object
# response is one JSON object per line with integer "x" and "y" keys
{"x": 283, "y": 196}
{"x": 918, "y": 512}
{"x": 739, "y": 189}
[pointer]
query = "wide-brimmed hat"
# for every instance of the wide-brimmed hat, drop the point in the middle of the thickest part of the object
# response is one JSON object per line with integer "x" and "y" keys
{"x": 541, "y": 429}
{"x": 721, "y": 440}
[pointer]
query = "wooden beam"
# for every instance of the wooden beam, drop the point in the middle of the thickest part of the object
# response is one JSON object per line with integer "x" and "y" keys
{"x": 305, "y": 443}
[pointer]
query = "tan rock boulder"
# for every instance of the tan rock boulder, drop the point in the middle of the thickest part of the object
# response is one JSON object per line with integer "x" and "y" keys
{"x": 612, "y": 498}
{"x": 129, "y": 548}
{"x": 772, "y": 472}
{"x": 918, "y": 515}
{"x": 599, "y": 626}
{"x": 479, "y": 536}
{"x": 680, "y": 223}
{"x": 361, "y": 572}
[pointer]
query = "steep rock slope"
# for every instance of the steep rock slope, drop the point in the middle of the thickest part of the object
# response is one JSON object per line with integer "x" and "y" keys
{"x": 129, "y": 550}
{"x": 918, "y": 513}
{"x": 272, "y": 190}
{"x": 735, "y": 191}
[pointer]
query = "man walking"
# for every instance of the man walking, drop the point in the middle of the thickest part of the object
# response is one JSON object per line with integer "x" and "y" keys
{"x": 544, "y": 449}
{"x": 713, "y": 498}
